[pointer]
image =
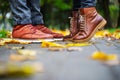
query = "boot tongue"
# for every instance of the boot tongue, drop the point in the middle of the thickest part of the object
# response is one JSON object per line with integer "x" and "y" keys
{"x": 82, "y": 11}
{"x": 85, "y": 11}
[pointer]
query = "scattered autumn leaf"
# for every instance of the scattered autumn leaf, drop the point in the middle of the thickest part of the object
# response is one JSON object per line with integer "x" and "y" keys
{"x": 78, "y": 44}
{"x": 4, "y": 41}
{"x": 102, "y": 33}
{"x": 98, "y": 55}
{"x": 65, "y": 32}
{"x": 20, "y": 70}
{"x": 111, "y": 57}
{"x": 114, "y": 35}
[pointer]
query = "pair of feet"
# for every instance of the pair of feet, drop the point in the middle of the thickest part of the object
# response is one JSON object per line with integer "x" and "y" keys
{"x": 33, "y": 32}
{"x": 84, "y": 24}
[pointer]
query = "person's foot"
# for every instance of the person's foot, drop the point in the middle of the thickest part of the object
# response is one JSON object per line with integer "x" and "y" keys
{"x": 48, "y": 31}
{"x": 29, "y": 32}
{"x": 90, "y": 22}
{"x": 73, "y": 26}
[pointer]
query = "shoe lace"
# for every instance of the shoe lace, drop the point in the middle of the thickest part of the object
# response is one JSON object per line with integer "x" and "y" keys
{"x": 33, "y": 29}
{"x": 82, "y": 23}
{"x": 44, "y": 28}
{"x": 72, "y": 24}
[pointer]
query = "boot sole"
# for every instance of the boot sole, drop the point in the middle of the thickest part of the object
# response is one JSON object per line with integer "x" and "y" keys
{"x": 68, "y": 39}
{"x": 99, "y": 26}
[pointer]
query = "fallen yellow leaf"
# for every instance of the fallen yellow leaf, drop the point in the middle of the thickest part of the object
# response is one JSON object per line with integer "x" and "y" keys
{"x": 78, "y": 44}
{"x": 103, "y": 56}
{"x": 20, "y": 70}
{"x": 102, "y": 33}
{"x": 116, "y": 35}
{"x": 111, "y": 57}
{"x": 4, "y": 41}
{"x": 66, "y": 32}
{"x": 99, "y": 55}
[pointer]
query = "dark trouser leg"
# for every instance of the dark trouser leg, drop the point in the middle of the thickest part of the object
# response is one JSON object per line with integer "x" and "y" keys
{"x": 87, "y": 3}
{"x": 76, "y": 5}
{"x": 21, "y": 13}
{"x": 83, "y": 4}
{"x": 36, "y": 15}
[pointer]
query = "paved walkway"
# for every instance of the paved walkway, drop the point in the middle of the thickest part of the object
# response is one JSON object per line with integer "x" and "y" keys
{"x": 74, "y": 65}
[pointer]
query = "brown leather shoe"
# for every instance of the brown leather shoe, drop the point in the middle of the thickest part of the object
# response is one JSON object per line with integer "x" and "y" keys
{"x": 90, "y": 22}
{"x": 29, "y": 32}
{"x": 73, "y": 26}
{"x": 48, "y": 31}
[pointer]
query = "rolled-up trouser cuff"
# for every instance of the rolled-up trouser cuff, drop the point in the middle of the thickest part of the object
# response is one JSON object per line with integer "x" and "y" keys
{"x": 22, "y": 20}
{"x": 83, "y": 4}
{"x": 37, "y": 20}
{"x": 88, "y": 3}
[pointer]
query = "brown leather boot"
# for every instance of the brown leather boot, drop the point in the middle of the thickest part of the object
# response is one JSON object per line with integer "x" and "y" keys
{"x": 90, "y": 22}
{"x": 73, "y": 26}
{"x": 46, "y": 30}
{"x": 29, "y": 32}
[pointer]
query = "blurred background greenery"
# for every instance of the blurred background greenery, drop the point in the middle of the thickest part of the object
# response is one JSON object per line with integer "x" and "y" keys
{"x": 56, "y": 13}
